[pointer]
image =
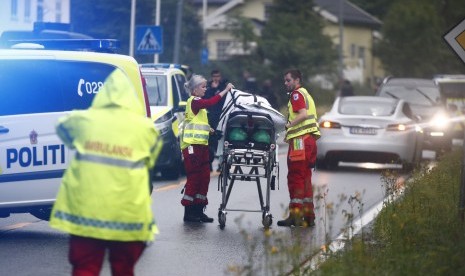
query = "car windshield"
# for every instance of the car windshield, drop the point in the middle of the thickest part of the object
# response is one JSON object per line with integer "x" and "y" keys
{"x": 368, "y": 108}
{"x": 414, "y": 95}
{"x": 157, "y": 90}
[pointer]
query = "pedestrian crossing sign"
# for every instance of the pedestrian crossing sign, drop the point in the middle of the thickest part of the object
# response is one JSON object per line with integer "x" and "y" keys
{"x": 456, "y": 39}
{"x": 149, "y": 40}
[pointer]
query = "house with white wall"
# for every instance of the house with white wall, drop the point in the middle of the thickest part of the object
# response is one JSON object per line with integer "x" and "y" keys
{"x": 359, "y": 28}
{"x": 21, "y": 14}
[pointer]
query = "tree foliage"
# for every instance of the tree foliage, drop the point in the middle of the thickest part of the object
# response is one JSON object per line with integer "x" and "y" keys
{"x": 413, "y": 31}
{"x": 111, "y": 19}
{"x": 293, "y": 37}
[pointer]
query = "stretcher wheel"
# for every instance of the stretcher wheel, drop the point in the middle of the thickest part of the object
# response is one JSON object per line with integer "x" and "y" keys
{"x": 267, "y": 220}
{"x": 222, "y": 219}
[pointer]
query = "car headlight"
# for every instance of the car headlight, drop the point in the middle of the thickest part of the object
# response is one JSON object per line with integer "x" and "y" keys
{"x": 439, "y": 121}
{"x": 164, "y": 123}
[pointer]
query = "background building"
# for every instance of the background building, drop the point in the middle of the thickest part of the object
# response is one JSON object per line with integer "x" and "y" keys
{"x": 21, "y": 14}
{"x": 359, "y": 32}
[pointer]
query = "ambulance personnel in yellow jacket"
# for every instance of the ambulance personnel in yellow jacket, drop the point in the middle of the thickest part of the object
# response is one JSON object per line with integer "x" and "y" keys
{"x": 302, "y": 131}
{"x": 194, "y": 146}
{"x": 104, "y": 200}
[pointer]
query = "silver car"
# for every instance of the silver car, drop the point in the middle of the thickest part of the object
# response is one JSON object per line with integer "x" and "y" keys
{"x": 369, "y": 129}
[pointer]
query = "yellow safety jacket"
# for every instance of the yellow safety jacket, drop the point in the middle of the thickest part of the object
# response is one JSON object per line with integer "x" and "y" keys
{"x": 310, "y": 124}
{"x": 105, "y": 190}
{"x": 196, "y": 129}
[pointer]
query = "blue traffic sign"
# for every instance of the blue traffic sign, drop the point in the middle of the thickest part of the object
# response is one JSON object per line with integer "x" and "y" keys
{"x": 149, "y": 40}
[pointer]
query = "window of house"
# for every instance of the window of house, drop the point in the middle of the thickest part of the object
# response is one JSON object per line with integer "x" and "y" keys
{"x": 267, "y": 10}
{"x": 221, "y": 47}
{"x": 361, "y": 55}
{"x": 40, "y": 10}
{"x": 58, "y": 11}
{"x": 14, "y": 10}
{"x": 353, "y": 50}
{"x": 27, "y": 10}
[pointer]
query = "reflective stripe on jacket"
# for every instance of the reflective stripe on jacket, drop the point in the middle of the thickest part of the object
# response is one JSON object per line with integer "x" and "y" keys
{"x": 105, "y": 190}
{"x": 310, "y": 124}
{"x": 196, "y": 129}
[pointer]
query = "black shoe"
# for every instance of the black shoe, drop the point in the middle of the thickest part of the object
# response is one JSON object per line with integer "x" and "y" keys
{"x": 290, "y": 221}
{"x": 203, "y": 217}
{"x": 190, "y": 214}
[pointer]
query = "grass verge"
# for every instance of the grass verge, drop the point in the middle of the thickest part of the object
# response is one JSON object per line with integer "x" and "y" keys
{"x": 419, "y": 234}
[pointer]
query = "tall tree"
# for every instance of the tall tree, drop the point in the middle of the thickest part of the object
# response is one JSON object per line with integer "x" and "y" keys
{"x": 293, "y": 37}
{"x": 413, "y": 42}
{"x": 111, "y": 19}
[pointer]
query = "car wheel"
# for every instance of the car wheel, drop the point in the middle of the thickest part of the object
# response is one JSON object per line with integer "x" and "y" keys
{"x": 43, "y": 213}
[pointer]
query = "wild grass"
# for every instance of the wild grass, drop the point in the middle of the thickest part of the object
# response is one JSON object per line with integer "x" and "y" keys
{"x": 419, "y": 234}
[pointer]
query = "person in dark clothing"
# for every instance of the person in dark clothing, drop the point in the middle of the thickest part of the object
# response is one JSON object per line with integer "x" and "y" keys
{"x": 214, "y": 86}
{"x": 346, "y": 89}
{"x": 250, "y": 82}
{"x": 268, "y": 94}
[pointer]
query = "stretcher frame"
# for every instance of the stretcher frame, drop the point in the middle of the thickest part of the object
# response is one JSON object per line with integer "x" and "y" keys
{"x": 248, "y": 161}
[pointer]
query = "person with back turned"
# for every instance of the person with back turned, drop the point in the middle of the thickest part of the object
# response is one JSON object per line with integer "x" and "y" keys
{"x": 104, "y": 201}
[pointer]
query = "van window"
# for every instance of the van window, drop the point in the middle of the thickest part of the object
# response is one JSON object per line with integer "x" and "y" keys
{"x": 157, "y": 90}
{"x": 41, "y": 86}
{"x": 29, "y": 87}
{"x": 180, "y": 80}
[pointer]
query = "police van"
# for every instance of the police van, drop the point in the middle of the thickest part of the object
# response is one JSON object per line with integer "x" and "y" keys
{"x": 37, "y": 87}
{"x": 167, "y": 98}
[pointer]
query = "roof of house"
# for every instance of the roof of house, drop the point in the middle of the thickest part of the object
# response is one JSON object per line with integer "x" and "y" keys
{"x": 329, "y": 9}
{"x": 352, "y": 14}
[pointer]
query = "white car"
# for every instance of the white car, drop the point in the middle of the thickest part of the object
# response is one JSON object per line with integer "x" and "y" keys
{"x": 369, "y": 129}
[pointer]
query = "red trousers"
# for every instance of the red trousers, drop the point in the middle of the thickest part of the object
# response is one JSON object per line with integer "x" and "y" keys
{"x": 299, "y": 178}
{"x": 197, "y": 165}
{"x": 86, "y": 256}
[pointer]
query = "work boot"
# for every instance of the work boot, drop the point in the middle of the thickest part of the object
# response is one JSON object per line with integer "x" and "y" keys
{"x": 200, "y": 212}
{"x": 294, "y": 219}
{"x": 190, "y": 214}
{"x": 290, "y": 221}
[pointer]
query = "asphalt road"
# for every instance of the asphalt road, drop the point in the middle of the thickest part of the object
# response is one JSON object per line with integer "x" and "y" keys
{"x": 30, "y": 247}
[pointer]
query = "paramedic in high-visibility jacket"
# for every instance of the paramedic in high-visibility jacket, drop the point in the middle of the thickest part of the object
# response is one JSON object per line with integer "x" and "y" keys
{"x": 302, "y": 131}
{"x": 104, "y": 201}
{"x": 194, "y": 146}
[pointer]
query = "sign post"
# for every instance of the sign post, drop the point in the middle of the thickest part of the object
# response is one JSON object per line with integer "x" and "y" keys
{"x": 456, "y": 40}
{"x": 149, "y": 40}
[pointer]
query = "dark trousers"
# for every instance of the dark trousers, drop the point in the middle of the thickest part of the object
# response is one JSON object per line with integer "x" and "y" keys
{"x": 86, "y": 256}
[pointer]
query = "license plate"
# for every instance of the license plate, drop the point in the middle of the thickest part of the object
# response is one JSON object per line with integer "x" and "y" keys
{"x": 363, "y": 130}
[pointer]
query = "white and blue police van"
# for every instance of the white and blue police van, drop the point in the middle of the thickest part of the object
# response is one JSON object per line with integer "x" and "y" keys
{"x": 37, "y": 87}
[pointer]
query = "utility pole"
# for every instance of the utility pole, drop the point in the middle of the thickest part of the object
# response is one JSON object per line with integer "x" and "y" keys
{"x": 177, "y": 38}
{"x": 132, "y": 27}
{"x": 157, "y": 23}
{"x": 341, "y": 39}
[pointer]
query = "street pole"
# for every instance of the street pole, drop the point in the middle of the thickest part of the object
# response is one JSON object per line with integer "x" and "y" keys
{"x": 177, "y": 38}
{"x": 157, "y": 23}
{"x": 132, "y": 27}
{"x": 462, "y": 183}
{"x": 341, "y": 39}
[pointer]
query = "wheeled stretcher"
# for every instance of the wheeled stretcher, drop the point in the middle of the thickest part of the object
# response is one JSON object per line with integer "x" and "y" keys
{"x": 249, "y": 153}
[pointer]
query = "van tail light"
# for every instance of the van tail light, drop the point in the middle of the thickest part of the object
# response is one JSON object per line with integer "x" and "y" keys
{"x": 146, "y": 96}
